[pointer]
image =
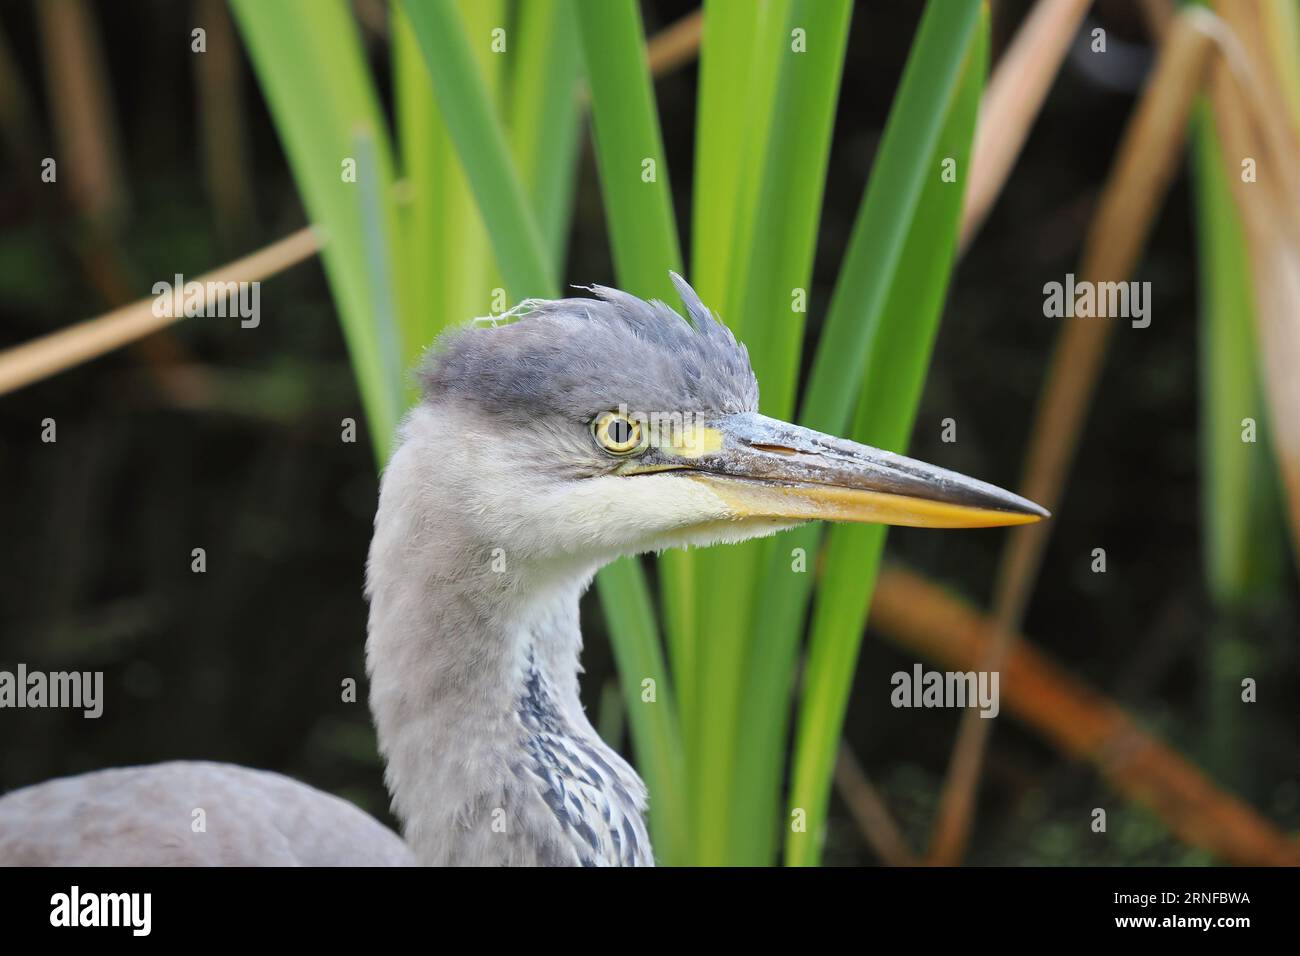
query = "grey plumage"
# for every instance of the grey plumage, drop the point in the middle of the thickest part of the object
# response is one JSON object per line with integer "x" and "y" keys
{"x": 599, "y": 814}
{"x": 577, "y": 357}
{"x": 189, "y": 813}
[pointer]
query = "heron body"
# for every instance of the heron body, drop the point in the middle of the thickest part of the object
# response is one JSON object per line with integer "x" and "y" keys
{"x": 189, "y": 813}
{"x": 535, "y": 457}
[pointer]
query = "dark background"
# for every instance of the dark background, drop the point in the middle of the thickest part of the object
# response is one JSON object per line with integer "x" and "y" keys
{"x": 216, "y": 437}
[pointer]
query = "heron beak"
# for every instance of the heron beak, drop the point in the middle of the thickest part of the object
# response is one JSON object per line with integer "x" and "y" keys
{"x": 766, "y": 468}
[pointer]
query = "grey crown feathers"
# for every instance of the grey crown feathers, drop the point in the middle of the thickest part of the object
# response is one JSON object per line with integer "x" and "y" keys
{"x": 578, "y": 357}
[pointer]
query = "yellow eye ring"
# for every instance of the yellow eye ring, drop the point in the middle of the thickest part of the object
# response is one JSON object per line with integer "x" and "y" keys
{"x": 618, "y": 434}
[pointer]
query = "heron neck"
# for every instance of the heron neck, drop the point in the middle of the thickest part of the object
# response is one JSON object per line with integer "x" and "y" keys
{"x": 456, "y": 646}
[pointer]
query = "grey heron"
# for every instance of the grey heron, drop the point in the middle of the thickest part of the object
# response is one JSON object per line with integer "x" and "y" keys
{"x": 584, "y": 430}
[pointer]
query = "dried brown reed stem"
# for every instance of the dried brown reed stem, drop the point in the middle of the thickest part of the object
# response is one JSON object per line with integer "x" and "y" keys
{"x": 925, "y": 619}
{"x": 1146, "y": 163}
{"x": 870, "y": 812}
{"x": 1013, "y": 100}
{"x": 58, "y": 351}
{"x": 676, "y": 44}
{"x": 223, "y": 138}
{"x": 88, "y": 155}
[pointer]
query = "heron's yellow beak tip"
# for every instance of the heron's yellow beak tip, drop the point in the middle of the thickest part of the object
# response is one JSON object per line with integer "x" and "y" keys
{"x": 811, "y": 502}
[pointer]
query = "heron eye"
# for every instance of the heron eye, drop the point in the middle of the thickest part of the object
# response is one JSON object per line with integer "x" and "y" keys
{"x": 617, "y": 434}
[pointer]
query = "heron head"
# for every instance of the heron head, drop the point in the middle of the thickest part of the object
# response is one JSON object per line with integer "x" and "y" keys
{"x": 613, "y": 426}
